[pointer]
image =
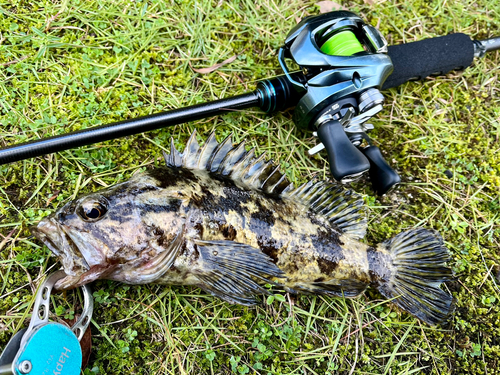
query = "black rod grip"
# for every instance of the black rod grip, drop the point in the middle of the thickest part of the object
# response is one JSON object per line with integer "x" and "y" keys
{"x": 383, "y": 177}
{"x": 434, "y": 56}
{"x": 346, "y": 161}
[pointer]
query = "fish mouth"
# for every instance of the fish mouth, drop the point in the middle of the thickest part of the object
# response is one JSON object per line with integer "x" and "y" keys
{"x": 53, "y": 235}
{"x": 79, "y": 269}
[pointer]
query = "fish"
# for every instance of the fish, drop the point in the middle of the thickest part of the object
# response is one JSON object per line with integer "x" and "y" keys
{"x": 220, "y": 218}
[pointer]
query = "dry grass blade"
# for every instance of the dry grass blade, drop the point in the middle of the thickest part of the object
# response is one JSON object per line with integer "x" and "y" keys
{"x": 213, "y": 68}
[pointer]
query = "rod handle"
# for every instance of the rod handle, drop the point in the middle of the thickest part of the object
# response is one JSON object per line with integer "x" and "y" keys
{"x": 428, "y": 57}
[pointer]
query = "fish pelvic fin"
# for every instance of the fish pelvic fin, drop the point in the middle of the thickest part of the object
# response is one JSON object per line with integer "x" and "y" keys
{"x": 410, "y": 268}
{"x": 343, "y": 208}
{"x": 233, "y": 271}
{"x": 233, "y": 162}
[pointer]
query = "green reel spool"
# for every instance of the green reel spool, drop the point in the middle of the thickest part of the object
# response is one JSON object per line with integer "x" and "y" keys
{"x": 343, "y": 43}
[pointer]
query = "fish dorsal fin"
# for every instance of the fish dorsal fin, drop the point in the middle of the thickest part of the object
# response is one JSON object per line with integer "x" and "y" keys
{"x": 206, "y": 151}
{"x": 234, "y": 162}
{"x": 175, "y": 158}
{"x": 343, "y": 208}
{"x": 191, "y": 155}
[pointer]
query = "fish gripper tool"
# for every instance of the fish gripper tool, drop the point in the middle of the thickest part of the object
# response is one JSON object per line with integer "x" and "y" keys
{"x": 47, "y": 347}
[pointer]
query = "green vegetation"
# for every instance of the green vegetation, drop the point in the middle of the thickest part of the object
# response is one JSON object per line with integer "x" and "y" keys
{"x": 67, "y": 65}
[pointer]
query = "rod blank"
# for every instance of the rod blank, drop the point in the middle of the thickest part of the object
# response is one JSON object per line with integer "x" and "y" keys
{"x": 124, "y": 128}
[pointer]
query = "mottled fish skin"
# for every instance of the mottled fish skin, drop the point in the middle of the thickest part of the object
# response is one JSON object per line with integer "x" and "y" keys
{"x": 218, "y": 218}
{"x": 302, "y": 244}
{"x": 146, "y": 214}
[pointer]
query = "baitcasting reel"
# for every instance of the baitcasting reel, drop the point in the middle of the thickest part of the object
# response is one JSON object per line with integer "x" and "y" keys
{"x": 343, "y": 63}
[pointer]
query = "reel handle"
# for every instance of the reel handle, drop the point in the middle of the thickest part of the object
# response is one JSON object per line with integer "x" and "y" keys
{"x": 346, "y": 161}
{"x": 383, "y": 177}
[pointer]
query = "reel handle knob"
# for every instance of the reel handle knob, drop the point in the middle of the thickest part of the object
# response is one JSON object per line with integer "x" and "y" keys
{"x": 346, "y": 161}
{"x": 383, "y": 177}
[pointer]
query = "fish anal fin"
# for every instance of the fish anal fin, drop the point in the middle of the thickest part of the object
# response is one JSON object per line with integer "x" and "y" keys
{"x": 233, "y": 271}
{"x": 336, "y": 287}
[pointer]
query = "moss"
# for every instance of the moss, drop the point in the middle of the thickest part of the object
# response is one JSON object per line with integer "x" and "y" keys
{"x": 69, "y": 66}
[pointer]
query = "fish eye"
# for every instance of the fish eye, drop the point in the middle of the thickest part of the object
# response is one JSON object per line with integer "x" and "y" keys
{"x": 92, "y": 210}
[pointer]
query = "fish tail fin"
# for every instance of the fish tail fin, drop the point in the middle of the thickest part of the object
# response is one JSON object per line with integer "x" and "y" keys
{"x": 410, "y": 268}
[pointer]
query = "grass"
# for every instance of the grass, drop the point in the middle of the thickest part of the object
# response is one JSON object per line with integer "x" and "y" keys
{"x": 67, "y": 65}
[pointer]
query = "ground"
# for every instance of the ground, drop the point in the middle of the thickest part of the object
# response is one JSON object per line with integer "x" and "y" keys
{"x": 68, "y": 65}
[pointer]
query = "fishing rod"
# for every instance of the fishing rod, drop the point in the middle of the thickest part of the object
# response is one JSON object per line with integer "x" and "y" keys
{"x": 344, "y": 63}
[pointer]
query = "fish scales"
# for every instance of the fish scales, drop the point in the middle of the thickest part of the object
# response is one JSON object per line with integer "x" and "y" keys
{"x": 219, "y": 218}
{"x": 304, "y": 246}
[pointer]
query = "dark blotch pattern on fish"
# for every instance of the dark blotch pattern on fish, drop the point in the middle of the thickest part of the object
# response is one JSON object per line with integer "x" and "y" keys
{"x": 171, "y": 205}
{"x": 263, "y": 214}
{"x": 121, "y": 211}
{"x": 234, "y": 199}
{"x": 167, "y": 177}
{"x": 261, "y": 223}
{"x": 125, "y": 191}
{"x": 326, "y": 266}
{"x": 162, "y": 238}
{"x": 327, "y": 236}
{"x": 228, "y": 231}
{"x": 270, "y": 246}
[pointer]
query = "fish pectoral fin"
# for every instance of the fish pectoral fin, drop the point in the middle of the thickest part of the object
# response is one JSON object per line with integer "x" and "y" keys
{"x": 233, "y": 271}
{"x": 336, "y": 287}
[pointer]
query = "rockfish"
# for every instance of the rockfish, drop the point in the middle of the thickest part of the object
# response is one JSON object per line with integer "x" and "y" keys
{"x": 220, "y": 218}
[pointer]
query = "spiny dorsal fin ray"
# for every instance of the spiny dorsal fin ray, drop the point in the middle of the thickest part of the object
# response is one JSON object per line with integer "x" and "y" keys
{"x": 240, "y": 166}
{"x": 343, "y": 208}
{"x": 220, "y": 153}
{"x": 255, "y": 173}
{"x": 235, "y": 162}
{"x": 274, "y": 178}
{"x": 174, "y": 159}
{"x": 232, "y": 157}
{"x": 190, "y": 157}
{"x": 206, "y": 151}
